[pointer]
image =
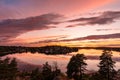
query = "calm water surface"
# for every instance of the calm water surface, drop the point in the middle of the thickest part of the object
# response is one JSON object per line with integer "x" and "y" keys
{"x": 62, "y": 60}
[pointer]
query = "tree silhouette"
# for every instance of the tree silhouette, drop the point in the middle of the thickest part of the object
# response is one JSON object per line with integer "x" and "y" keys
{"x": 36, "y": 75}
{"x": 8, "y": 69}
{"x": 106, "y": 65}
{"x": 47, "y": 71}
{"x": 13, "y": 68}
{"x": 76, "y": 67}
{"x": 4, "y": 68}
{"x": 56, "y": 71}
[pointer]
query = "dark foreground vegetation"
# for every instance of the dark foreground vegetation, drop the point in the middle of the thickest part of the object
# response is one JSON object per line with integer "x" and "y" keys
{"x": 76, "y": 70}
{"x": 5, "y": 50}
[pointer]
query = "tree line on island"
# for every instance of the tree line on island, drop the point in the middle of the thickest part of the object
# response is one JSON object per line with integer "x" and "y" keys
{"x": 52, "y": 50}
{"x": 76, "y": 70}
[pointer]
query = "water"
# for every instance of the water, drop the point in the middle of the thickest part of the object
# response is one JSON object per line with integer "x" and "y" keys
{"x": 62, "y": 60}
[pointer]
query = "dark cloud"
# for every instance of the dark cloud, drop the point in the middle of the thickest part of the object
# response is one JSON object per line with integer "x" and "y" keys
{"x": 52, "y": 39}
{"x": 96, "y": 37}
{"x": 104, "y": 18}
{"x": 46, "y": 41}
{"x": 91, "y": 37}
{"x": 13, "y": 27}
{"x": 108, "y": 29}
{"x": 73, "y": 25}
{"x": 104, "y": 29}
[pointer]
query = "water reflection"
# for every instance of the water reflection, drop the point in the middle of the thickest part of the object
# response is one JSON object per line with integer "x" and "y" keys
{"x": 62, "y": 60}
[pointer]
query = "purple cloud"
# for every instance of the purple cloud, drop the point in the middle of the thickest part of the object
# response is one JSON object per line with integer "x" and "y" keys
{"x": 14, "y": 27}
{"x": 91, "y": 37}
{"x": 108, "y": 29}
{"x": 107, "y": 17}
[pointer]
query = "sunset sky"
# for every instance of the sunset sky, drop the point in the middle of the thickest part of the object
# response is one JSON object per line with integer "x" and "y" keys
{"x": 78, "y": 23}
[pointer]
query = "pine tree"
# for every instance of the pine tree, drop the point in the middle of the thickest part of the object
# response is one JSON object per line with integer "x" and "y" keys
{"x": 76, "y": 67}
{"x": 56, "y": 71}
{"x": 36, "y": 75}
{"x": 47, "y": 71}
{"x": 106, "y": 65}
{"x": 13, "y": 68}
{"x": 4, "y": 68}
{"x": 8, "y": 68}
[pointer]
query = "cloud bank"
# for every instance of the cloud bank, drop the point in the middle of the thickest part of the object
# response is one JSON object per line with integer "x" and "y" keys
{"x": 12, "y": 28}
{"x": 91, "y": 37}
{"x": 107, "y": 17}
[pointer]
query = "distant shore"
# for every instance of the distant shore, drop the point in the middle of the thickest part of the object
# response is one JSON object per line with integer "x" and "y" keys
{"x": 49, "y": 50}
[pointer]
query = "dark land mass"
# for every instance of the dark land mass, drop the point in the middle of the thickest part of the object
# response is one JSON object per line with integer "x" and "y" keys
{"x": 49, "y": 50}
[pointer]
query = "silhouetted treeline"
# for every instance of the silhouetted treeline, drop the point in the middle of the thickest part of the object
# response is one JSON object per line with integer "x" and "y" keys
{"x": 9, "y": 71}
{"x": 57, "y": 49}
{"x": 76, "y": 70}
{"x": 4, "y": 50}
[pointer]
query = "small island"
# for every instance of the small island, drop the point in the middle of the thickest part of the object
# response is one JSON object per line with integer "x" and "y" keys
{"x": 49, "y": 50}
{"x": 57, "y": 49}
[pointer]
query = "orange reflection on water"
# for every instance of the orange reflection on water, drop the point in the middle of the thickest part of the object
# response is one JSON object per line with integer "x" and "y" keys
{"x": 62, "y": 60}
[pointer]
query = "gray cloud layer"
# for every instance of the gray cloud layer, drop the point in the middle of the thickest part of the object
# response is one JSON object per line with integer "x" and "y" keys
{"x": 105, "y": 18}
{"x": 97, "y": 37}
{"x": 14, "y": 27}
{"x": 92, "y": 37}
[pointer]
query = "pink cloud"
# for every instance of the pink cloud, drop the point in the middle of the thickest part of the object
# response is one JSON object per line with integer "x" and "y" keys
{"x": 27, "y": 8}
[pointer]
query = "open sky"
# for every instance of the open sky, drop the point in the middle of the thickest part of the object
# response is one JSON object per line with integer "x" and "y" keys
{"x": 83, "y": 23}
